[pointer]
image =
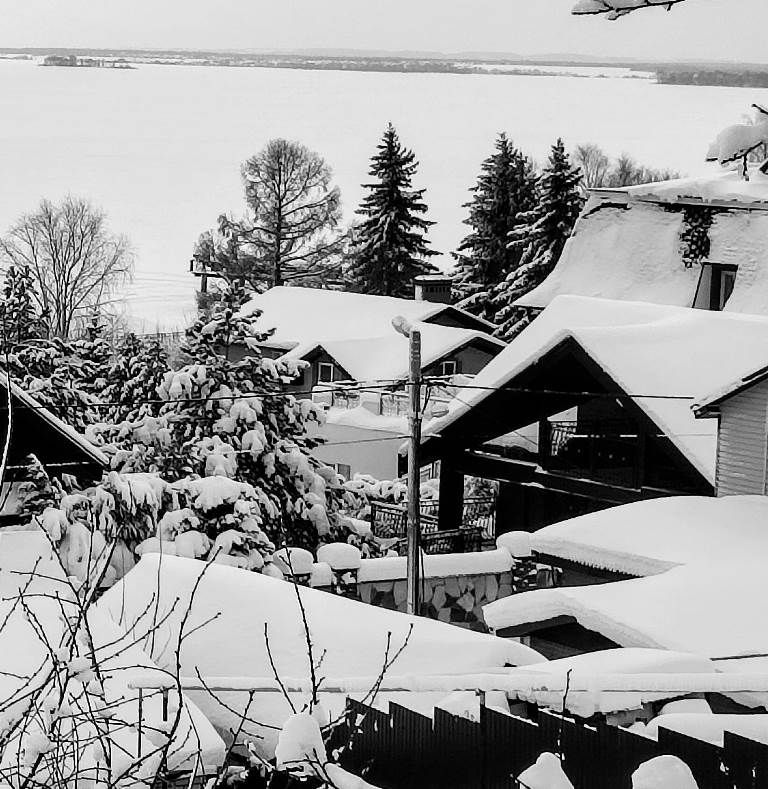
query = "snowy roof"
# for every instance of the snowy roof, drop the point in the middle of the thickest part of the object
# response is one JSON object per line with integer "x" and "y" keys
{"x": 306, "y": 315}
{"x": 707, "y": 404}
{"x": 712, "y": 608}
{"x": 713, "y": 184}
{"x": 368, "y": 357}
{"x": 654, "y": 353}
{"x": 627, "y": 244}
{"x": 366, "y": 419}
{"x": 623, "y": 660}
{"x": 352, "y": 636}
{"x": 652, "y": 536}
{"x": 57, "y": 424}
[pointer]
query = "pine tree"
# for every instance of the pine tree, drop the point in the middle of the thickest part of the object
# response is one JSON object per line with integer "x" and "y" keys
{"x": 20, "y": 320}
{"x": 136, "y": 372}
{"x": 390, "y": 247}
{"x": 541, "y": 237}
{"x": 505, "y": 189}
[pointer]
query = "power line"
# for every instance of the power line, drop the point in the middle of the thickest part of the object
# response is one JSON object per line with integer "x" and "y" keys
{"x": 563, "y": 392}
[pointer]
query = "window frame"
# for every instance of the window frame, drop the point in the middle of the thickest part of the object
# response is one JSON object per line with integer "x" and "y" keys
{"x": 320, "y": 366}
{"x": 454, "y": 363}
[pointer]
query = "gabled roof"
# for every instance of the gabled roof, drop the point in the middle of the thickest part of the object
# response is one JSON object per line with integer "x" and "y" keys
{"x": 628, "y": 243}
{"x": 659, "y": 356}
{"x": 71, "y": 435}
{"x": 301, "y": 316}
{"x": 385, "y": 357}
{"x": 652, "y": 536}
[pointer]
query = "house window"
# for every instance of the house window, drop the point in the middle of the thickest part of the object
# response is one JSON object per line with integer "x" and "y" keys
{"x": 325, "y": 372}
{"x": 449, "y": 367}
{"x": 715, "y": 286}
{"x": 723, "y": 280}
{"x": 344, "y": 469}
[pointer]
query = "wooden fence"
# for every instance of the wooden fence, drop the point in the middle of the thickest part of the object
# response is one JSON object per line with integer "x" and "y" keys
{"x": 406, "y": 750}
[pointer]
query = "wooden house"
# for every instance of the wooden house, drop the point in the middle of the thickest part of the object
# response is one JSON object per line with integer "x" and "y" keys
{"x": 590, "y": 407}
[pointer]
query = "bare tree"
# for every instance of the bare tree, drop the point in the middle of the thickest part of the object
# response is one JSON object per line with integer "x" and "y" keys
{"x": 76, "y": 262}
{"x": 291, "y": 229}
{"x": 594, "y": 164}
{"x": 613, "y": 9}
{"x": 599, "y": 171}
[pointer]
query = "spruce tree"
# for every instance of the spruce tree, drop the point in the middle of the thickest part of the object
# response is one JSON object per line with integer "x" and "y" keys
{"x": 505, "y": 189}
{"x": 226, "y": 415}
{"x": 20, "y": 320}
{"x": 134, "y": 376}
{"x": 541, "y": 237}
{"x": 390, "y": 246}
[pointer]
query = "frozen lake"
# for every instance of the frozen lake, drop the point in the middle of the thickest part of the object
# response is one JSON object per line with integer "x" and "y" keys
{"x": 160, "y": 147}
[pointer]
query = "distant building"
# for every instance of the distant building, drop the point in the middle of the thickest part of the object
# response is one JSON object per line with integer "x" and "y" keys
{"x": 356, "y": 364}
{"x": 690, "y": 242}
{"x": 61, "y": 60}
{"x": 349, "y": 336}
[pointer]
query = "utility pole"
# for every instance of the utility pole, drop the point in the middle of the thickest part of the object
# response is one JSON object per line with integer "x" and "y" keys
{"x": 413, "y": 556}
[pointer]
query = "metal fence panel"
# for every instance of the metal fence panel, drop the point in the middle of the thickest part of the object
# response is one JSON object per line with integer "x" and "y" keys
{"x": 405, "y": 750}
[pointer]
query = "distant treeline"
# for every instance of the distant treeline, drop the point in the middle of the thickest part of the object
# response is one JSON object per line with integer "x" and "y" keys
{"x": 726, "y": 77}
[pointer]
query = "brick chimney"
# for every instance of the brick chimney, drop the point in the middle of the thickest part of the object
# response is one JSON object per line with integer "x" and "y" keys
{"x": 433, "y": 287}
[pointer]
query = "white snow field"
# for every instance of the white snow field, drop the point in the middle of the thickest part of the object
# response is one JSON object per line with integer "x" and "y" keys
{"x": 160, "y": 147}
{"x": 627, "y": 244}
{"x": 663, "y": 356}
{"x": 24, "y": 661}
{"x": 652, "y": 536}
{"x": 238, "y": 607}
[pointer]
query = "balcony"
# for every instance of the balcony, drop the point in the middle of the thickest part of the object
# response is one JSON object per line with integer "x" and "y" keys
{"x": 478, "y": 525}
{"x": 607, "y": 451}
{"x": 382, "y": 402}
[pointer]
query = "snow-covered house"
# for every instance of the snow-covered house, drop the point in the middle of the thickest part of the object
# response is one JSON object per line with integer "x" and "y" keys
{"x": 608, "y": 386}
{"x": 35, "y": 430}
{"x": 690, "y": 242}
{"x": 349, "y": 336}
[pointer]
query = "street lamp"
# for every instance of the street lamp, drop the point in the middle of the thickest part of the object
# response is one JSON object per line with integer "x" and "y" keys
{"x": 413, "y": 556}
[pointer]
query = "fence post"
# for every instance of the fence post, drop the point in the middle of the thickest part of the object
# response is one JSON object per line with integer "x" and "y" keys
{"x": 141, "y": 715}
{"x": 483, "y": 741}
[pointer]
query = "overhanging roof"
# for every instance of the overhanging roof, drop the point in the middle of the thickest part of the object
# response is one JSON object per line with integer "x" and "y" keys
{"x": 656, "y": 357}
{"x": 83, "y": 450}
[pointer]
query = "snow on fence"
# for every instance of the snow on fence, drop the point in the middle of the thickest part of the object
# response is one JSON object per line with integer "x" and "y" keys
{"x": 405, "y": 750}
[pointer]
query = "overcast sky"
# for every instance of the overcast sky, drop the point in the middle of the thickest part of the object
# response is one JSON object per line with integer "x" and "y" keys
{"x": 707, "y": 29}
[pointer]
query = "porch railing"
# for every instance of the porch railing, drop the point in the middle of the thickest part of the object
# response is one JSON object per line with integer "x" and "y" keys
{"x": 390, "y": 521}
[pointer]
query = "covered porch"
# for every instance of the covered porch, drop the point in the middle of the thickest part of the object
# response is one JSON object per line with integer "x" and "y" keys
{"x": 562, "y": 438}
